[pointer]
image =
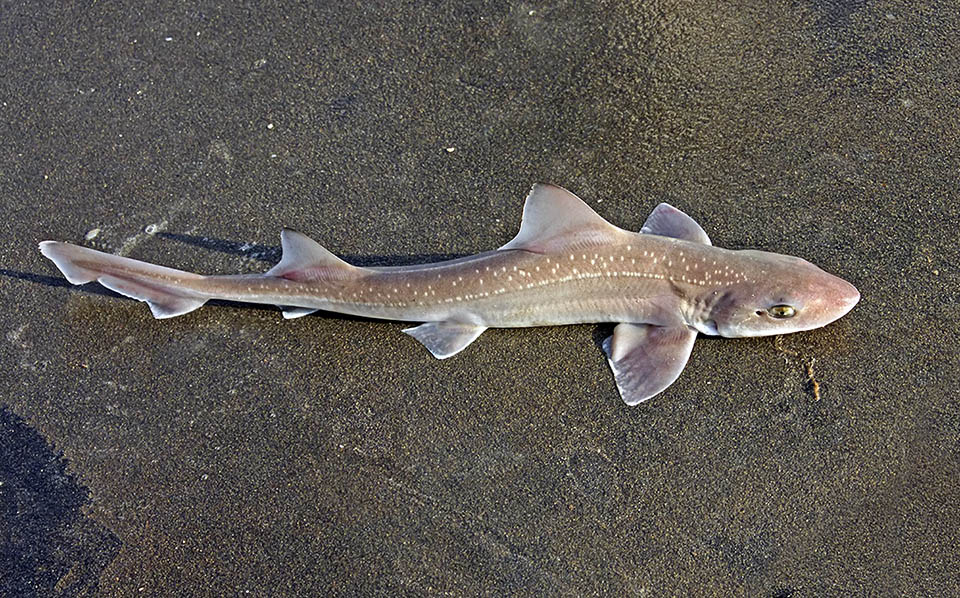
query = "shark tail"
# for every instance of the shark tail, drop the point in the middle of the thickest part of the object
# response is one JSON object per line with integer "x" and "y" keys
{"x": 165, "y": 290}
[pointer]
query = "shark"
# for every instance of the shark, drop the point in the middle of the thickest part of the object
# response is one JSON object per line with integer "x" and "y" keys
{"x": 661, "y": 287}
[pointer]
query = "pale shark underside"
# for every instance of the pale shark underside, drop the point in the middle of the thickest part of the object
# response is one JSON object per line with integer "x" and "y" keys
{"x": 567, "y": 265}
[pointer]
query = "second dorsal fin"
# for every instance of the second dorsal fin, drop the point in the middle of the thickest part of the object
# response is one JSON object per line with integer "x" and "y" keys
{"x": 555, "y": 219}
{"x": 305, "y": 259}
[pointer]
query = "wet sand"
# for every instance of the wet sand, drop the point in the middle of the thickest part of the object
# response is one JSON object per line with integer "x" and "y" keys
{"x": 228, "y": 451}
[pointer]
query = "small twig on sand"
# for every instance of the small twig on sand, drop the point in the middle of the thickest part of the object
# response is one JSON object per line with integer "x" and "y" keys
{"x": 813, "y": 381}
{"x": 807, "y": 362}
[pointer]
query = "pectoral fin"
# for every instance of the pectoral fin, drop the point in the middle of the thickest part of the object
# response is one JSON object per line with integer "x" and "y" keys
{"x": 445, "y": 339}
{"x": 646, "y": 359}
{"x": 668, "y": 221}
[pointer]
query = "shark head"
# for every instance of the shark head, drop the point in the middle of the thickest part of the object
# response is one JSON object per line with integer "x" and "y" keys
{"x": 784, "y": 294}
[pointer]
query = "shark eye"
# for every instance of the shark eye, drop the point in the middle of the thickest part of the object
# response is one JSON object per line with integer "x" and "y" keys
{"x": 782, "y": 312}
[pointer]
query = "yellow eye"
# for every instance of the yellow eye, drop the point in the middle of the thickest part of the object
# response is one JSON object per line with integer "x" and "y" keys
{"x": 782, "y": 312}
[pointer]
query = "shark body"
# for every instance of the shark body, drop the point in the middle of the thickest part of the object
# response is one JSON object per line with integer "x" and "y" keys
{"x": 567, "y": 265}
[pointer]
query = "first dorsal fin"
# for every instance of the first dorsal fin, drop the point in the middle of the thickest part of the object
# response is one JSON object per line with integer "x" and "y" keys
{"x": 667, "y": 221}
{"x": 555, "y": 219}
{"x": 305, "y": 259}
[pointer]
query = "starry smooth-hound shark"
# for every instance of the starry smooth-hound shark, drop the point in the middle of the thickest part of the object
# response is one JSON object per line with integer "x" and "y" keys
{"x": 567, "y": 265}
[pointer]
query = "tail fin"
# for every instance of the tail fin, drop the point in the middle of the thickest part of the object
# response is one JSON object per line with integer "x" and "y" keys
{"x": 162, "y": 288}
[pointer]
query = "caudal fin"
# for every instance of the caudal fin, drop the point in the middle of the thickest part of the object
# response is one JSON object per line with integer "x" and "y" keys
{"x": 164, "y": 289}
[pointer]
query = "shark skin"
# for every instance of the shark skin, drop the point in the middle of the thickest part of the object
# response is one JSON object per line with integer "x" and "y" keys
{"x": 567, "y": 265}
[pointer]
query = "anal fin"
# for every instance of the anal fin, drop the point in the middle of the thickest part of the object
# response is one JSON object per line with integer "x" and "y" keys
{"x": 646, "y": 359}
{"x": 445, "y": 339}
{"x": 290, "y": 312}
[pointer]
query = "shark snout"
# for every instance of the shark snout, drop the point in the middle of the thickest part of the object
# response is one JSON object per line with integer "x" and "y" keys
{"x": 841, "y": 298}
{"x": 853, "y": 296}
{"x": 849, "y": 295}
